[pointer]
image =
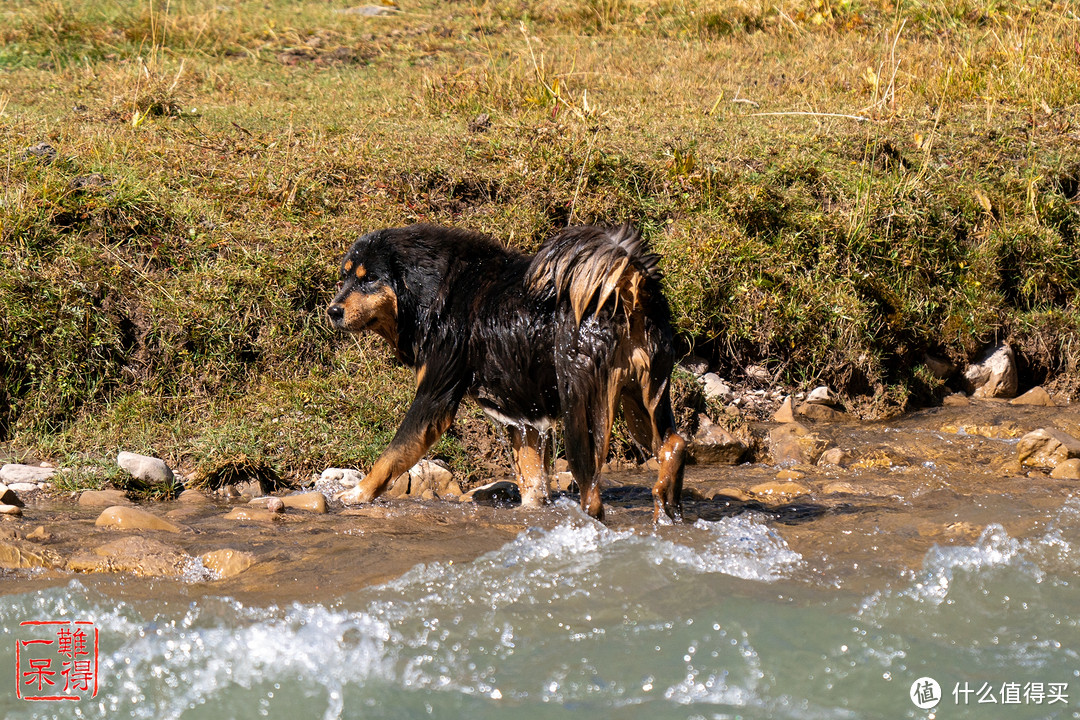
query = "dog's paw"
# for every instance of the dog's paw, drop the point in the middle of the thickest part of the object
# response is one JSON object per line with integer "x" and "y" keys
{"x": 356, "y": 496}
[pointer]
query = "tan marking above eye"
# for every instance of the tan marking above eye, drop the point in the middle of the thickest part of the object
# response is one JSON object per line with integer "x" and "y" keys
{"x": 361, "y": 271}
{"x": 348, "y": 265}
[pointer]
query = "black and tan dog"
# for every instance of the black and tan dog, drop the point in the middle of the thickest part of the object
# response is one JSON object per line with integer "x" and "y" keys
{"x": 566, "y": 334}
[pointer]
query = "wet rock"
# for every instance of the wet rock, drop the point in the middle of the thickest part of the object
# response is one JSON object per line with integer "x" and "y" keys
{"x": 131, "y": 518}
{"x": 1067, "y": 470}
{"x": 778, "y": 491}
{"x": 480, "y": 123}
{"x": 730, "y": 493}
{"x": 11, "y": 510}
{"x": 42, "y": 153}
{"x": 822, "y": 413}
{"x": 17, "y": 554}
{"x": 940, "y": 368}
{"x": 193, "y": 497}
{"x": 145, "y": 557}
{"x": 786, "y": 412}
{"x": 713, "y": 445}
{"x": 452, "y": 490}
{"x": 40, "y": 534}
{"x": 428, "y": 475}
{"x": 399, "y": 487}
{"x": 277, "y": 505}
{"x": 834, "y": 456}
{"x": 794, "y": 443}
{"x": 821, "y": 395}
{"x": 500, "y": 492}
{"x": 103, "y": 498}
{"x": 651, "y": 465}
{"x": 14, "y": 474}
{"x": 956, "y": 400}
{"x": 8, "y": 496}
{"x": 994, "y": 374}
{"x": 1035, "y": 396}
{"x": 715, "y": 388}
{"x": 562, "y": 481}
{"x": 841, "y": 488}
{"x": 561, "y": 465}
{"x": 149, "y": 474}
{"x": 250, "y": 489}
{"x": 252, "y": 514}
{"x": 312, "y": 502}
{"x": 790, "y": 475}
{"x": 334, "y": 481}
{"x": 1047, "y": 448}
{"x": 227, "y": 563}
{"x": 1006, "y": 430}
{"x": 229, "y": 492}
{"x": 348, "y": 477}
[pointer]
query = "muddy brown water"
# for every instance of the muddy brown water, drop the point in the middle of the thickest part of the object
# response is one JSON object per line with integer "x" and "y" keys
{"x": 937, "y": 476}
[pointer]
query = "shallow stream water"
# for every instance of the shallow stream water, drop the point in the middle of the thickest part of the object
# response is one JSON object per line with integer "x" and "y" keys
{"x": 929, "y": 562}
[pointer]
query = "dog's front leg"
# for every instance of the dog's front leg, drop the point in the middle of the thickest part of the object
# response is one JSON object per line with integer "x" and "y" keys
{"x": 427, "y": 419}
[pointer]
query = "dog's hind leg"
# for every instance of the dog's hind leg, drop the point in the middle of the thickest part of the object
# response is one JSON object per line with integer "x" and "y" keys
{"x": 530, "y": 464}
{"x": 651, "y": 420}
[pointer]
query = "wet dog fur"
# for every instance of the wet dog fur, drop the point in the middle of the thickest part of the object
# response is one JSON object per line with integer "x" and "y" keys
{"x": 568, "y": 334}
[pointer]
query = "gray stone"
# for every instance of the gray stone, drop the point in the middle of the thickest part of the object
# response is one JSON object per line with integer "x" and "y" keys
{"x": 347, "y": 477}
{"x": 150, "y": 472}
{"x": 24, "y": 487}
{"x": 15, "y": 473}
{"x": 713, "y": 445}
{"x": 12, "y": 510}
{"x": 821, "y": 395}
{"x": 715, "y": 388}
{"x": 994, "y": 375}
{"x": 429, "y": 475}
{"x": 834, "y": 456}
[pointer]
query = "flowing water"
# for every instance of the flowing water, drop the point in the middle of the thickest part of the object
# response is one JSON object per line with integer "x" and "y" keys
{"x": 771, "y": 613}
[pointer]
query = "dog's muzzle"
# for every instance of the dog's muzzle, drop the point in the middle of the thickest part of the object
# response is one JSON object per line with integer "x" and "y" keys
{"x": 336, "y": 312}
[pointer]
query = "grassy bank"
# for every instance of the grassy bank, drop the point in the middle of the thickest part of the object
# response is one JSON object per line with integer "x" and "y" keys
{"x": 838, "y": 188}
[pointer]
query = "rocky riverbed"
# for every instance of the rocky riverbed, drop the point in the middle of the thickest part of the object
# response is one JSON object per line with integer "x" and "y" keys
{"x": 858, "y": 501}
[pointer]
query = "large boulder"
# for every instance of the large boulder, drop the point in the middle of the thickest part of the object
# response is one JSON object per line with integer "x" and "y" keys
{"x": 994, "y": 374}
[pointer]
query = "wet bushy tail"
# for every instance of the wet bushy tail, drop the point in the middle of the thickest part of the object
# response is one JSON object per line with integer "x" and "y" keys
{"x": 589, "y": 263}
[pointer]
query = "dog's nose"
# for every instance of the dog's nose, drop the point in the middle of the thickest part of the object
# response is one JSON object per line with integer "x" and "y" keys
{"x": 336, "y": 313}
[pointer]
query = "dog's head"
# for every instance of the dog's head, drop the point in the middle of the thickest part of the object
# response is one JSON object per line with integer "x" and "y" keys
{"x": 366, "y": 299}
